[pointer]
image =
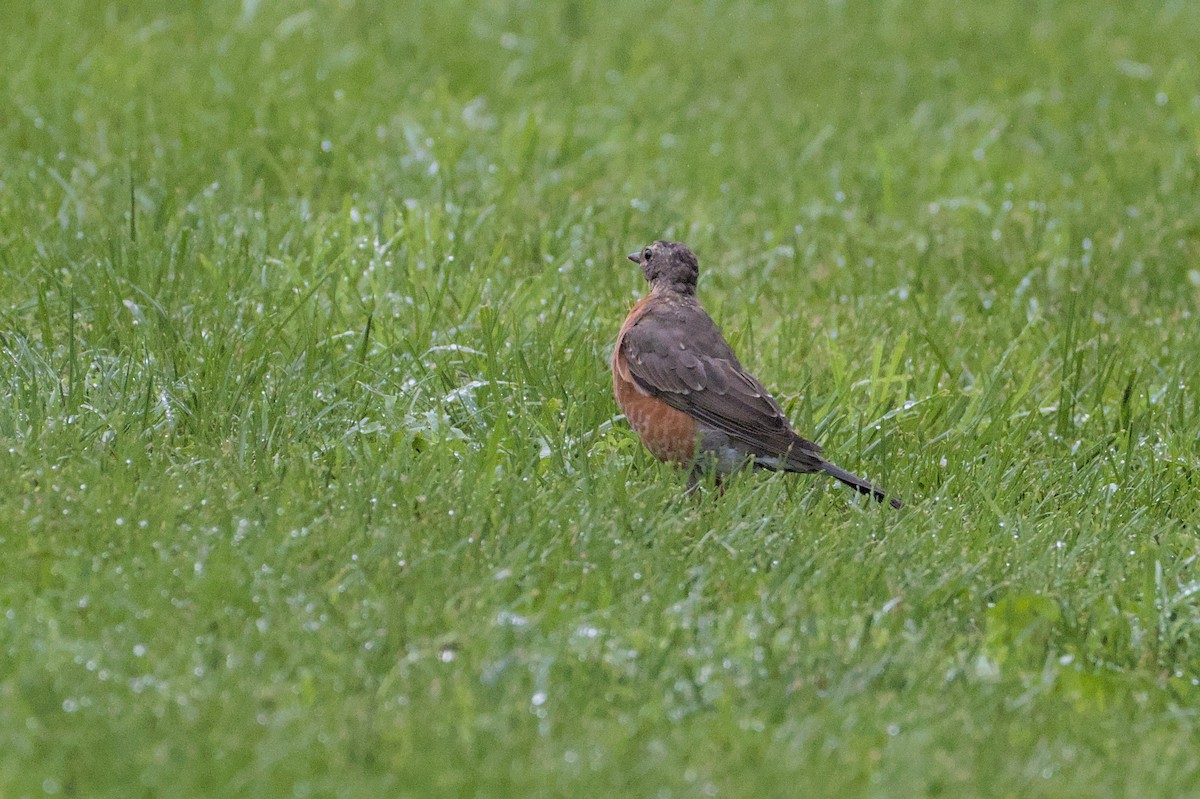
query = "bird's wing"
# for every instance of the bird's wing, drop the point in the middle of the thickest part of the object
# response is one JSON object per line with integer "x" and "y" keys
{"x": 675, "y": 352}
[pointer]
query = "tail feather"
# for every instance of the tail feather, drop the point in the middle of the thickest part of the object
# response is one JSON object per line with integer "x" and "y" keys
{"x": 859, "y": 484}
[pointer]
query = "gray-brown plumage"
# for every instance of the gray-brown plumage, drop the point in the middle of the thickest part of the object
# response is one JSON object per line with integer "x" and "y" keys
{"x": 671, "y": 353}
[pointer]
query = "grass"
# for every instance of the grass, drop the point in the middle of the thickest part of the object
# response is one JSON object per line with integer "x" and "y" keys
{"x": 314, "y": 484}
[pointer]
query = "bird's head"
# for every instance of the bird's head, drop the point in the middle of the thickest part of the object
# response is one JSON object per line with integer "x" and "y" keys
{"x": 668, "y": 266}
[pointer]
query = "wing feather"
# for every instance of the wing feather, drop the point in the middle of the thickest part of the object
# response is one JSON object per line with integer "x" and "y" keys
{"x": 676, "y": 353}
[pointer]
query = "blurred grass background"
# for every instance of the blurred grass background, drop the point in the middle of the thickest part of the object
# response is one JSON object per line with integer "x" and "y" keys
{"x": 314, "y": 481}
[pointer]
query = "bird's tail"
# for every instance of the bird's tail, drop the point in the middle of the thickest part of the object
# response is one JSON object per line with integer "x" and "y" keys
{"x": 859, "y": 484}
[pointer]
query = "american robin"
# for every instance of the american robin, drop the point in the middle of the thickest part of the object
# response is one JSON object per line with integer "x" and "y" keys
{"x": 685, "y": 393}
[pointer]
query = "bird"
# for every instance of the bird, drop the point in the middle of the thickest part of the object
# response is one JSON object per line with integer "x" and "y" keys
{"x": 686, "y": 395}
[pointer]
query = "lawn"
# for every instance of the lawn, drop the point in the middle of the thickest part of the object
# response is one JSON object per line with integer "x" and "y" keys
{"x": 313, "y": 481}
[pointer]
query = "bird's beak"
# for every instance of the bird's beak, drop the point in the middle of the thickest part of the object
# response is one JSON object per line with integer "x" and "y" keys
{"x": 636, "y": 257}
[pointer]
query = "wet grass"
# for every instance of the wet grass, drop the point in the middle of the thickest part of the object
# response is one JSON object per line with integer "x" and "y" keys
{"x": 313, "y": 480}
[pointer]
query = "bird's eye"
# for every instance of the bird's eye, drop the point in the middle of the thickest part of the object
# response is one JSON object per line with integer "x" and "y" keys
{"x": 646, "y": 254}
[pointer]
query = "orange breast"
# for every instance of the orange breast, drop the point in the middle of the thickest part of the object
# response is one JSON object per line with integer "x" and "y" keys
{"x": 670, "y": 435}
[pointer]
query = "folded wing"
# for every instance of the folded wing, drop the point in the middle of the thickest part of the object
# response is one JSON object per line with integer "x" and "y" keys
{"x": 677, "y": 354}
